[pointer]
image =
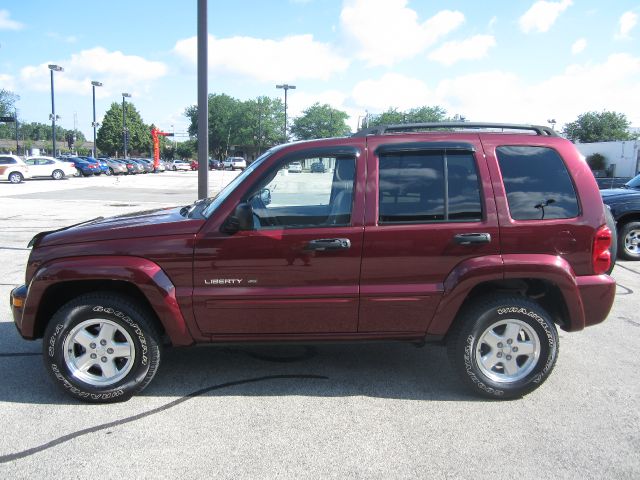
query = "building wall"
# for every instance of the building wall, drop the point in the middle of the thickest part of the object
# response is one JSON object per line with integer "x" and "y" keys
{"x": 624, "y": 155}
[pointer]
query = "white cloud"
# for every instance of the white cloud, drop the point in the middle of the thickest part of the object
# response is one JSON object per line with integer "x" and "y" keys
{"x": 507, "y": 97}
{"x": 542, "y": 15}
{"x": 117, "y": 71}
{"x": 473, "y": 48}
{"x": 626, "y": 23}
{"x": 289, "y": 59}
{"x": 392, "y": 90}
{"x": 579, "y": 46}
{"x": 386, "y": 31}
{"x": 7, "y": 82}
{"x": 7, "y": 24}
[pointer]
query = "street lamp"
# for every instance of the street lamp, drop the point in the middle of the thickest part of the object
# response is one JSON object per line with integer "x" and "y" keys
{"x": 54, "y": 68}
{"x": 285, "y": 87}
{"x": 94, "y": 84}
{"x": 124, "y": 124}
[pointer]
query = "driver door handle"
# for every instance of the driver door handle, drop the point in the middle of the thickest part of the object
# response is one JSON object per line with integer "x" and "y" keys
{"x": 323, "y": 244}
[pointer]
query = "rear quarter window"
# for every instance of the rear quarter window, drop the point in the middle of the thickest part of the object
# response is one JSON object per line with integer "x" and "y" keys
{"x": 7, "y": 161}
{"x": 537, "y": 183}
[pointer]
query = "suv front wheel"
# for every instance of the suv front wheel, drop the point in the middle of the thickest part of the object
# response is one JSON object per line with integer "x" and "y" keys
{"x": 503, "y": 347}
{"x": 101, "y": 348}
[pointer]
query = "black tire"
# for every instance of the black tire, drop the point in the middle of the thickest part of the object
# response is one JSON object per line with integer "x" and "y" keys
{"x": 611, "y": 223}
{"x": 57, "y": 175}
{"x": 109, "y": 172}
{"x": 84, "y": 318}
{"x": 629, "y": 241}
{"x": 15, "y": 177}
{"x": 482, "y": 323}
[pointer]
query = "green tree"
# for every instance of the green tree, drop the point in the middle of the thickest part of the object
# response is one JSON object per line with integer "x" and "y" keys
{"x": 109, "y": 138}
{"x": 423, "y": 114}
{"x": 320, "y": 121}
{"x": 187, "y": 149}
{"x": 602, "y": 126}
{"x": 7, "y": 101}
{"x": 255, "y": 123}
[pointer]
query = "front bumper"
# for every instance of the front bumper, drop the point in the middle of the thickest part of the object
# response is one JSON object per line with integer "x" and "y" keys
{"x": 17, "y": 299}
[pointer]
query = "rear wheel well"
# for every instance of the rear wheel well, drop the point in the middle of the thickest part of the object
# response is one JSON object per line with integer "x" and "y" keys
{"x": 59, "y": 294}
{"x": 547, "y": 294}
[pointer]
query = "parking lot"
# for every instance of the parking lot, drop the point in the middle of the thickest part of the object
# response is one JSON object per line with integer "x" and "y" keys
{"x": 325, "y": 411}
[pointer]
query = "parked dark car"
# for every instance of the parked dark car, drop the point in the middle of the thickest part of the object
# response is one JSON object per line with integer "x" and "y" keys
{"x": 624, "y": 203}
{"x": 215, "y": 164}
{"x": 83, "y": 167}
{"x": 485, "y": 240}
{"x": 140, "y": 168}
{"x": 317, "y": 167}
{"x": 102, "y": 165}
{"x": 613, "y": 182}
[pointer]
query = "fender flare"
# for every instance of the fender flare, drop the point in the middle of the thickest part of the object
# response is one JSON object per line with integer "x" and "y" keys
{"x": 145, "y": 275}
{"x": 475, "y": 271}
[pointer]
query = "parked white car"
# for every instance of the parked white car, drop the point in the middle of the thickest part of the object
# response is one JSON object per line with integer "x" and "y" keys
{"x": 179, "y": 165}
{"x": 50, "y": 167}
{"x": 234, "y": 162}
{"x": 295, "y": 167}
{"x": 13, "y": 169}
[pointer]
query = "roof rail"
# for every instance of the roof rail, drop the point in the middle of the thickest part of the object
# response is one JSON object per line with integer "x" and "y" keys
{"x": 404, "y": 127}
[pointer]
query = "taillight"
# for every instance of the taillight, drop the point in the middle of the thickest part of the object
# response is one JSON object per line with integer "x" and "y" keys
{"x": 601, "y": 256}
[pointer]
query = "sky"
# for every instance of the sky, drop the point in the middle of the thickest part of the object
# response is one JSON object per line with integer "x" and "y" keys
{"x": 519, "y": 61}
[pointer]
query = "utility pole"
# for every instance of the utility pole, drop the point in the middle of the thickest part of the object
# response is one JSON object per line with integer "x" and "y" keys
{"x": 285, "y": 87}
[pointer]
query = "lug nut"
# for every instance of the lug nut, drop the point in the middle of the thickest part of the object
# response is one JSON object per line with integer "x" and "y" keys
{"x": 92, "y": 345}
{"x": 500, "y": 345}
{"x": 93, "y": 355}
{"x": 109, "y": 350}
{"x": 508, "y": 357}
{"x": 104, "y": 359}
{"x": 103, "y": 342}
{"x": 515, "y": 349}
{"x": 509, "y": 341}
{"x": 499, "y": 355}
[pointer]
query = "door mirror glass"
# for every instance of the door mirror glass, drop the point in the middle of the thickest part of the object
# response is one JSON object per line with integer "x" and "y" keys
{"x": 265, "y": 196}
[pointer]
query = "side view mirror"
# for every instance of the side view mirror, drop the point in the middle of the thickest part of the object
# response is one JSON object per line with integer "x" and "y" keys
{"x": 242, "y": 219}
{"x": 265, "y": 196}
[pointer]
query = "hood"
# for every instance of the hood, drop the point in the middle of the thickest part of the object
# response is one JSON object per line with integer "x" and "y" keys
{"x": 619, "y": 193}
{"x": 151, "y": 223}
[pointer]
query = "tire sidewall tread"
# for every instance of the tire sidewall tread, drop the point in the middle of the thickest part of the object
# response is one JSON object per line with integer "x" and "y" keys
{"x": 476, "y": 318}
{"x": 124, "y": 312}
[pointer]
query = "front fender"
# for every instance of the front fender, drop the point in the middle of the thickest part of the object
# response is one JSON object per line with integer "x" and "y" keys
{"x": 144, "y": 274}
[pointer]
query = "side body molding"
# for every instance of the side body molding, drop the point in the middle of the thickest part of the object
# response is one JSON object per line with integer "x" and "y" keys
{"x": 142, "y": 273}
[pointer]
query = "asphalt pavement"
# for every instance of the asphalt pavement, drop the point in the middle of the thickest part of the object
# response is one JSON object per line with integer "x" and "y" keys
{"x": 375, "y": 410}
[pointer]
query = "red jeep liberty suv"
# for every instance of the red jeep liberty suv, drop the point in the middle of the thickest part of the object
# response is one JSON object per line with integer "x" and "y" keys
{"x": 485, "y": 236}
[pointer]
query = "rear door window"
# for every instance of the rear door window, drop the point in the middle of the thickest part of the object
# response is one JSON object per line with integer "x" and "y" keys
{"x": 537, "y": 183}
{"x": 428, "y": 186}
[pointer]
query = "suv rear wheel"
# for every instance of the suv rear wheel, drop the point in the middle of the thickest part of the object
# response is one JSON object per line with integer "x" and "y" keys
{"x": 503, "y": 347}
{"x": 101, "y": 348}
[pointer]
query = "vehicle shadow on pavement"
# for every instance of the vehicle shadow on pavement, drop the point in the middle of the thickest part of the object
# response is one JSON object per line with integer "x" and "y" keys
{"x": 385, "y": 370}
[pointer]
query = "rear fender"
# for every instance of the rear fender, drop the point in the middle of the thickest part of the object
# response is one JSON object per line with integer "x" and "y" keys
{"x": 476, "y": 271}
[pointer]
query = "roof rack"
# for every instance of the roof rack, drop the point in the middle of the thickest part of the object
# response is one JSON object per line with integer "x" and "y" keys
{"x": 404, "y": 127}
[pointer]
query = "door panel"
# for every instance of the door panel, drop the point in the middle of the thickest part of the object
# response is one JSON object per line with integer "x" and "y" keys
{"x": 277, "y": 278}
{"x": 411, "y": 243}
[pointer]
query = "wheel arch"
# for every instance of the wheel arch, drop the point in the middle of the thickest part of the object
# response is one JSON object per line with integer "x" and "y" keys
{"x": 58, "y": 281}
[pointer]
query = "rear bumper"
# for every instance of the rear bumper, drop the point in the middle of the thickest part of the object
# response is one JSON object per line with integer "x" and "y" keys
{"x": 597, "y": 293}
{"x": 17, "y": 299}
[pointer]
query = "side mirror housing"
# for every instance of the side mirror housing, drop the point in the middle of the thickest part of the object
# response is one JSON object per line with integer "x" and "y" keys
{"x": 242, "y": 219}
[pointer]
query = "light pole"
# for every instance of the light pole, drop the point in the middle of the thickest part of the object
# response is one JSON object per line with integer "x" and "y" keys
{"x": 94, "y": 84}
{"x": 124, "y": 124}
{"x": 54, "y": 68}
{"x": 285, "y": 87}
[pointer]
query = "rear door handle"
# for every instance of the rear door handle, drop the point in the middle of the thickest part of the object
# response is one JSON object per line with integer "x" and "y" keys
{"x": 472, "y": 238}
{"x": 322, "y": 244}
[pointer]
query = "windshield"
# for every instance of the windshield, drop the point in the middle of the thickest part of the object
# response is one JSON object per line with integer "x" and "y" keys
{"x": 634, "y": 182}
{"x": 226, "y": 191}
